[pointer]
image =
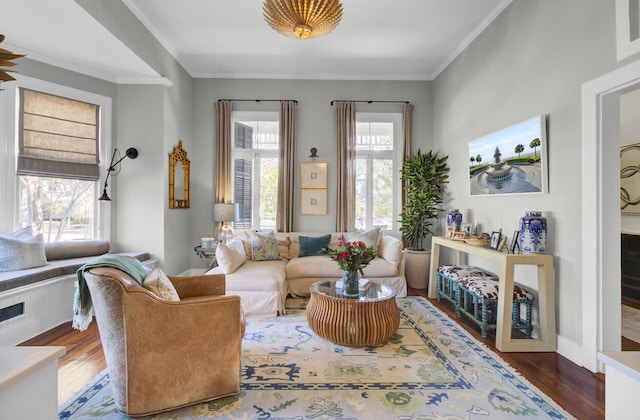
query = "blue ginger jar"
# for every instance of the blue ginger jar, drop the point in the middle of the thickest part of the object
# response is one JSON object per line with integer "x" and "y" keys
{"x": 533, "y": 233}
{"x": 454, "y": 218}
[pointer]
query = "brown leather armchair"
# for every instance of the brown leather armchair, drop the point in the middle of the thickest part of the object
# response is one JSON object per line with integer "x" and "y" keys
{"x": 164, "y": 355}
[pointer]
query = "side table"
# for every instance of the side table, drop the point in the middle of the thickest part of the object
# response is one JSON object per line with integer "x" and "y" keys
{"x": 208, "y": 254}
{"x": 371, "y": 318}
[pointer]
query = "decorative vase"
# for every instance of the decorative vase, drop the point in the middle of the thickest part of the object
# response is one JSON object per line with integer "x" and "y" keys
{"x": 533, "y": 233}
{"x": 417, "y": 268}
{"x": 350, "y": 284}
{"x": 454, "y": 218}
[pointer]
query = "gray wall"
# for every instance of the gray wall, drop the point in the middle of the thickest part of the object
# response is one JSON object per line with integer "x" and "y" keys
{"x": 316, "y": 128}
{"x": 532, "y": 60}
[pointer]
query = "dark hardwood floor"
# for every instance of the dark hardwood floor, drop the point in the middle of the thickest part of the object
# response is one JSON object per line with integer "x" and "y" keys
{"x": 574, "y": 388}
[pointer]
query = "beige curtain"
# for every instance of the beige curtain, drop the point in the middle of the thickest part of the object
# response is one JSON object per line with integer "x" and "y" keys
{"x": 223, "y": 161}
{"x": 286, "y": 172}
{"x": 406, "y": 141}
{"x": 345, "y": 171}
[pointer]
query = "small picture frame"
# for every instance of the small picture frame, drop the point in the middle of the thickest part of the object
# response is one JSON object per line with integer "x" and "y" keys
{"x": 459, "y": 235}
{"x": 502, "y": 244}
{"x": 450, "y": 231}
{"x": 514, "y": 242}
{"x": 495, "y": 240}
{"x": 466, "y": 228}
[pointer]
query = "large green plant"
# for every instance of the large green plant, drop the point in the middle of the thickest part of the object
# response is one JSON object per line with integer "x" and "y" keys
{"x": 424, "y": 176}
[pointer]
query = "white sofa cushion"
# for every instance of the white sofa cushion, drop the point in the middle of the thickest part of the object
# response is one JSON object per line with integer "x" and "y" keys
{"x": 256, "y": 275}
{"x": 390, "y": 249}
{"x": 231, "y": 255}
{"x": 322, "y": 266}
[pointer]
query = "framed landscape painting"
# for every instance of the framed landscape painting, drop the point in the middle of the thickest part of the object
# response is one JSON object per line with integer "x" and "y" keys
{"x": 510, "y": 161}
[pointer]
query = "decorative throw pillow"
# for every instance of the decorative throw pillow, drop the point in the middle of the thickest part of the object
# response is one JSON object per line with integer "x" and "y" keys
{"x": 159, "y": 284}
{"x": 231, "y": 255}
{"x": 16, "y": 254}
{"x": 313, "y": 245}
{"x": 264, "y": 247}
{"x": 24, "y": 233}
{"x": 371, "y": 238}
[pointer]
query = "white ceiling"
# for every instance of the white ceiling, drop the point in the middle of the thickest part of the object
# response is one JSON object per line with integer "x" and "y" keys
{"x": 376, "y": 39}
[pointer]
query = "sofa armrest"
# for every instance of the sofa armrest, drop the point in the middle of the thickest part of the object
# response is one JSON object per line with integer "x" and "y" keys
{"x": 205, "y": 285}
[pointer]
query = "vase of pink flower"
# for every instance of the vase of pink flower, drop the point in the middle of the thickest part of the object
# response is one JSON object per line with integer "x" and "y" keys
{"x": 352, "y": 257}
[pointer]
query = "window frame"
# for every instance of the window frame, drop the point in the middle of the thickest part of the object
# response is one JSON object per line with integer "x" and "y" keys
{"x": 9, "y": 143}
{"x": 395, "y": 155}
{"x": 240, "y": 116}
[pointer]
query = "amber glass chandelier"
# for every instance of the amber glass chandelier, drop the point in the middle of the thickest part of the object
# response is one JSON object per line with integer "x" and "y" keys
{"x": 302, "y": 19}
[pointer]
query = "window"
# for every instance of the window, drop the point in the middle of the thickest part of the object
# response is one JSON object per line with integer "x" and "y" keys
{"x": 377, "y": 170}
{"x": 52, "y": 163}
{"x": 255, "y": 160}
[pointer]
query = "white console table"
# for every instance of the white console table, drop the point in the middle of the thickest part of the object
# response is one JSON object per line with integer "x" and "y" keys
{"x": 29, "y": 382}
{"x": 546, "y": 340}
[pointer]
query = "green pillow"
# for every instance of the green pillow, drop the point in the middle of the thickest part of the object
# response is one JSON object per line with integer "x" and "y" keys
{"x": 313, "y": 245}
{"x": 264, "y": 247}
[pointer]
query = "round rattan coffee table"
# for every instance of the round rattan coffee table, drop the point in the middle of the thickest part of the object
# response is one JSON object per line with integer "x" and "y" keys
{"x": 371, "y": 318}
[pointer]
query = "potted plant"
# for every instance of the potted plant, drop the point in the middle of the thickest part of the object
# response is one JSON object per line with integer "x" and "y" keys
{"x": 423, "y": 177}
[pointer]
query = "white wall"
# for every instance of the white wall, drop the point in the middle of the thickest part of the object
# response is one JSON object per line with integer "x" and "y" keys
{"x": 316, "y": 128}
{"x": 532, "y": 60}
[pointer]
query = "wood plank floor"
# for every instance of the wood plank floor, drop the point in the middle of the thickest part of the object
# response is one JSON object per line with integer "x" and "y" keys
{"x": 574, "y": 388}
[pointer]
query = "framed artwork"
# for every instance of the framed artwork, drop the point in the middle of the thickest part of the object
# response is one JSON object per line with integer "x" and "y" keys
{"x": 313, "y": 201}
{"x": 466, "y": 228}
{"x": 450, "y": 231}
{"x": 627, "y": 28}
{"x": 514, "y": 242}
{"x": 630, "y": 179}
{"x": 459, "y": 236}
{"x": 510, "y": 161}
{"x": 314, "y": 175}
{"x": 496, "y": 237}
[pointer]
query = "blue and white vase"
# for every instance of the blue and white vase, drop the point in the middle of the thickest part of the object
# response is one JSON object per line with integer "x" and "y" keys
{"x": 533, "y": 233}
{"x": 454, "y": 218}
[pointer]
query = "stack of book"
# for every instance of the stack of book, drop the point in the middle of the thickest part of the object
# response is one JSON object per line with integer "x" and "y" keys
{"x": 362, "y": 284}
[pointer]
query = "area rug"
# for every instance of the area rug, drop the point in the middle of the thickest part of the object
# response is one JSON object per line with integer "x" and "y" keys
{"x": 431, "y": 369}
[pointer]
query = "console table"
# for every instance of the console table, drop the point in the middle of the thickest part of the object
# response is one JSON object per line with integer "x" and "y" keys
{"x": 547, "y": 339}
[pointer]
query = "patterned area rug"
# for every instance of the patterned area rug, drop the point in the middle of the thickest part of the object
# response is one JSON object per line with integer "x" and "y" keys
{"x": 431, "y": 369}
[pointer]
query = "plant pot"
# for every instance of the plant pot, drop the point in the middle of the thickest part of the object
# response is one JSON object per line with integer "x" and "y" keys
{"x": 416, "y": 268}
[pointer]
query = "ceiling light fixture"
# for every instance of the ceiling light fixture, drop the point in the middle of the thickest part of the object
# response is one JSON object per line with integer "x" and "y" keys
{"x": 302, "y": 19}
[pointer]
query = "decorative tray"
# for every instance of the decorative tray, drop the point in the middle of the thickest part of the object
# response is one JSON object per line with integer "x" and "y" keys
{"x": 477, "y": 242}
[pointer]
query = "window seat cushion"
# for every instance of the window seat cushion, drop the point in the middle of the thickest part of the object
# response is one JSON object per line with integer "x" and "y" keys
{"x": 12, "y": 279}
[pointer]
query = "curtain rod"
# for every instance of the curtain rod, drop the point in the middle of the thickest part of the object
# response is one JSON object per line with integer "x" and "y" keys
{"x": 256, "y": 100}
{"x": 370, "y": 102}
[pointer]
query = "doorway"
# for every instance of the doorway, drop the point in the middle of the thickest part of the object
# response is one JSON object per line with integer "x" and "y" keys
{"x": 601, "y": 221}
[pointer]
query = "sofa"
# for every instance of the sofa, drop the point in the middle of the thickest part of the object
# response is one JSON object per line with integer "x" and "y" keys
{"x": 263, "y": 279}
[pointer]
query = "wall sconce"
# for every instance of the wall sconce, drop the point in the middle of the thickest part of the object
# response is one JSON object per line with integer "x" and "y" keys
{"x": 225, "y": 213}
{"x": 131, "y": 153}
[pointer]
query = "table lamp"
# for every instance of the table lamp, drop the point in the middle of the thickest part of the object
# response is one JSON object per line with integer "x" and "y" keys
{"x": 225, "y": 213}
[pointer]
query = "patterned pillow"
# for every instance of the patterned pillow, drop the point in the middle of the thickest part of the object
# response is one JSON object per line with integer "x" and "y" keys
{"x": 264, "y": 247}
{"x": 313, "y": 245}
{"x": 371, "y": 238}
{"x": 24, "y": 233}
{"x": 231, "y": 255}
{"x": 16, "y": 254}
{"x": 159, "y": 284}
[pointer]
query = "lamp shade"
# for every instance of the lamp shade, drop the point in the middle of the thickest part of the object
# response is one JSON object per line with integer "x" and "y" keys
{"x": 224, "y": 212}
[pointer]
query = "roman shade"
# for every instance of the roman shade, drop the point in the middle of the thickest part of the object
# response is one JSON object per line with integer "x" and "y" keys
{"x": 58, "y": 137}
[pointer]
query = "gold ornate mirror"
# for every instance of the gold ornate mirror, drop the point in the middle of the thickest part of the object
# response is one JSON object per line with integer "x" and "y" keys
{"x": 179, "y": 166}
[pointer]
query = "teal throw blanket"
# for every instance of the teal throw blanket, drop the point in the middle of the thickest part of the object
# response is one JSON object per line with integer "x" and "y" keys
{"x": 82, "y": 306}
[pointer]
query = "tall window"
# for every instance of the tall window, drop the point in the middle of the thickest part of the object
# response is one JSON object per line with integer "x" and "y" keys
{"x": 57, "y": 139}
{"x": 255, "y": 162}
{"x": 377, "y": 165}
